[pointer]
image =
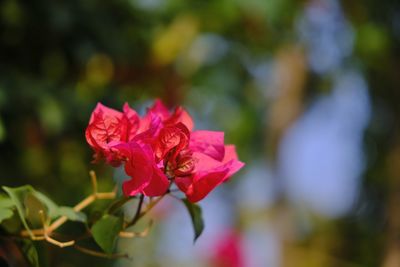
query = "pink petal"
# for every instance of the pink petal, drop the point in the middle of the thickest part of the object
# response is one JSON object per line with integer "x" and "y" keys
{"x": 208, "y": 142}
{"x": 207, "y": 164}
{"x": 183, "y": 183}
{"x": 160, "y": 109}
{"x": 133, "y": 121}
{"x": 89, "y": 138}
{"x": 158, "y": 184}
{"x": 139, "y": 166}
{"x": 201, "y": 185}
{"x": 186, "y": 119}
{"x": 148, "y": 132}
{"x": 231, "y": 160}
{"x": 171, "y": 137}
{"x": 208, "y": 174}
{"x": 157, "y": 110}
{"x": 105, "y": 111}
{"x": 105, "y": 125}
{"x": 180, "y": 115}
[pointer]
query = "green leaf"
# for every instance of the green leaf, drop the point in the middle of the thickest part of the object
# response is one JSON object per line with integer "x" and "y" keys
{"x": 51, "y": 207}
{"x": 29, "y": 250}
{"x": 196, "y": 216}
{"x": 17, "y": 195}
{"x": 105, "y": 232}
{"x": 72, "y": 215}
{"x": 32, "y": 207}
{"x": 6, "y": 202}
{"x": 6, "y": 205}
{"x": 5, "y": 214}
{"x": 12, "y": 225}
{"x": 28, "y": 203}
{"x": 55, "y": 211}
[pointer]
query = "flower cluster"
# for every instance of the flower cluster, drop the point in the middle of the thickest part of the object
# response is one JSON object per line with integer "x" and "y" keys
{"x": 161, "y": 148}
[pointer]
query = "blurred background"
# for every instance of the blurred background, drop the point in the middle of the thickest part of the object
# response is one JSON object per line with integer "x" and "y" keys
{"x": 307, "y": 90}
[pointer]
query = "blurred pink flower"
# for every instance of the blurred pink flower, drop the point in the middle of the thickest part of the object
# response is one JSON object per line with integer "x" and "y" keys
{"x": 228, "y": 251}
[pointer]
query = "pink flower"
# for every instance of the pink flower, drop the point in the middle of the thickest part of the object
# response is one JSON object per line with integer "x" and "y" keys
{"x": 208, "y": 173}
{"x": 160, "y": 148}
{"x": 228, "y": 251}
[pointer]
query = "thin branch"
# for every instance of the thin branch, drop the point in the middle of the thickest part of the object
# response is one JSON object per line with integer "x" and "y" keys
{"x": 94, "y": 181}
{"x": 138, "y": 211}
{"x": 151, "y": 206}
{"x": 58, "y": 243}
{"x": 38, "y": 238}
{"x": 80, "y": 206}
{"x": 144, "y": 233}
{"x": 106, "y": 195}
{"x": 48, "y": 238}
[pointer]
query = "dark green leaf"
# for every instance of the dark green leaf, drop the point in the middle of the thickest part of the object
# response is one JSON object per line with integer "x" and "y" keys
{"x": 6, "y": 205}
{"x": 55, "y": 211}
{"x": 6, "y": 202}
{"x": 30, "y": 252}
{"x": 17, "y": 195}
{"x": 72, "y": 215}
{"x": 196, "y": 216}
{"x": 5, "y": 214}
{"x": 12, "y": 224}
{"x": 105, "y": 232}
{"x": 51, "y": 207}
{"x": 32, "y": 207}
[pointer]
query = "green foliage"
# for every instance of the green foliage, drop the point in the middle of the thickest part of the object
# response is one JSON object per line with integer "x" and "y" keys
{"x": 196, "y": 216}
{"x": 5, "y": 202}
{"x": 33, "y": 208}
{"x": 105, "y": 232}
{"x": 30, "y": 252}
{"x": 5, "y": 214}
{"x": 17, "y": 195}
{"x": 50, "y": 207}
{"x": 55, "y": 211}
{"x": 29, "y": 203}
{"x": 6, "y": 208}
{"x": 71, "y": 214}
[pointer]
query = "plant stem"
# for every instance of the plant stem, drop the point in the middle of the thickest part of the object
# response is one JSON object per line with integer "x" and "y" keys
{"x": 138, "y": 211}
{"x": 150, "y": 206}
